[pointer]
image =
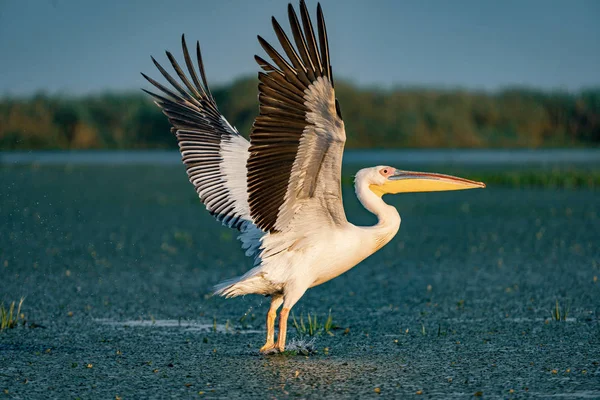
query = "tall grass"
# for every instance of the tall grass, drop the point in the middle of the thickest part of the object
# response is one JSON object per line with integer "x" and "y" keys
{"x": 8, "y": 317}
{"x": 313, "y": 327}
{"x": 560, "y": 313}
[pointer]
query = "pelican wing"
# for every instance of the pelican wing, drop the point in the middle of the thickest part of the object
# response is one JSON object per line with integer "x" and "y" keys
{"x": 297, "y": 140}
{"x": 213, "y": 151}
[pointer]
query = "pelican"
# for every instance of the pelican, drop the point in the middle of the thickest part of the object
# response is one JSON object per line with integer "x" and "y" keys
{"x": 282, "y": 189}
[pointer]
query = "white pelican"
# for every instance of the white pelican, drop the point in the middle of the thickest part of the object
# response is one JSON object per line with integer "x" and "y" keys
{"x": 282, "y": 190}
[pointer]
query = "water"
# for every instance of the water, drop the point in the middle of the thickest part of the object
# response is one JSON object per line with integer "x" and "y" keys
{"x": 368, "y": 157}
{"x": 110, "y": 259}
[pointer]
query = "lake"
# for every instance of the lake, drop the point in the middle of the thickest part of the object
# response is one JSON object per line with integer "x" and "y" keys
{"x": 370, "y": 157}
{"x": 116, "y": 260}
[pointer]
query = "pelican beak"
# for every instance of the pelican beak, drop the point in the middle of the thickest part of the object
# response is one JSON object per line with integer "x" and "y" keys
{"x": 407, "y": 181}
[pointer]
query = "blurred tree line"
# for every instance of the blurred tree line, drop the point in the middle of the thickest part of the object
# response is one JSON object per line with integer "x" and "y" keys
{"x": 415, "y": 118}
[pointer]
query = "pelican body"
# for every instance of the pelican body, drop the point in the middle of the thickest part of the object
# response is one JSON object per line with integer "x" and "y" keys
{"x": 282, "y": 189}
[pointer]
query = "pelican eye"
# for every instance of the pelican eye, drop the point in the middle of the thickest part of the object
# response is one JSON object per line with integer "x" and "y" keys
{"x": 384, "y": 172}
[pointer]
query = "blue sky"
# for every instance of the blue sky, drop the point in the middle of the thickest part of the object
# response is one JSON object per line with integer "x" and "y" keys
{"x": 77, "y": 47}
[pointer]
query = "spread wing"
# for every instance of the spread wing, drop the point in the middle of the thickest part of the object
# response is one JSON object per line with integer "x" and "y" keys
{"x": 213, "y": 151}
{"x": 297, "y": 141}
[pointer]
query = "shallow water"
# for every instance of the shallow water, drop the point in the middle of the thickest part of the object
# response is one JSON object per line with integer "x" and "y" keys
{"x": 116, "y": 263}
{"x": 450, "y": 157}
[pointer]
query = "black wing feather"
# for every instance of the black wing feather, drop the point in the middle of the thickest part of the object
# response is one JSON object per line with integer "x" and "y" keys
{"x": 202, "y": 133}
{"x": 282, "y": 121}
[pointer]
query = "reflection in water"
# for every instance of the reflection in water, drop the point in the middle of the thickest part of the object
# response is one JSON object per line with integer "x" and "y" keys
{"x": 357, "y": 373}
{"x": 292, "y": 374}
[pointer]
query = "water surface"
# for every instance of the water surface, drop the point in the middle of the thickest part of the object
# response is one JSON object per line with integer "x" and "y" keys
{"x": 117, "y": 263}
{"x": 375, "y": 157}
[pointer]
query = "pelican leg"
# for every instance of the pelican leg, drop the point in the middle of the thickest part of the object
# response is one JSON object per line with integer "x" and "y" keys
{"x": 269, "y": 346}
{"x": 283, "y": 317}
{"x": 291, "y": 297}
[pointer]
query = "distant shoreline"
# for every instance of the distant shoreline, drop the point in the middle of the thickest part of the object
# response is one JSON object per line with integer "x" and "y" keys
{"x": 393, "y": 119}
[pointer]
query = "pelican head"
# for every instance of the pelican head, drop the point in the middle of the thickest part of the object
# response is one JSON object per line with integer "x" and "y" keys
{"x": 388, "y": 180}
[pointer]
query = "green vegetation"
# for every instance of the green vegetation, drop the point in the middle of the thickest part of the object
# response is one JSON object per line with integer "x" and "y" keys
{"x": 8, "y": 318}
{"x": 571, "y": 177}
{"x": 313, "y": 327}
{"x": 560, "y": 314}
{"x": 400, "y": 117}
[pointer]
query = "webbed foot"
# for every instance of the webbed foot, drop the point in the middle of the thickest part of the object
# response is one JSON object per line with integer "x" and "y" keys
{"x": 269, "y": 348}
